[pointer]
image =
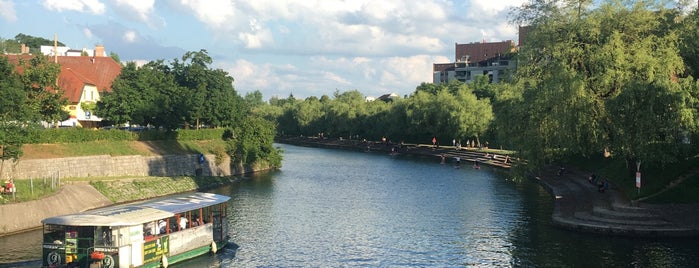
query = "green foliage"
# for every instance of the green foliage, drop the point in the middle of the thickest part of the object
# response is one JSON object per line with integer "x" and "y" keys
{"x": 34, "y": 42}
{"x": 31, "y": 189}
{"x": 45, "y": 100}
{"x": 447, "y": 110}
{"x": 596, "y": 79}
{"x": 182, "y": 94}
{"x": 253, "y": 142}
{"x": 201, "y": 134}
{"x": 115, "y": 57}
{"x": 25, "y": 100}
{"x": 76, "y": 135}
{"x": 143, "y": 188}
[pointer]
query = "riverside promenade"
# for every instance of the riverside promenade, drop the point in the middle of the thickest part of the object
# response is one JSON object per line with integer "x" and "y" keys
{"x": 578, "y": 204}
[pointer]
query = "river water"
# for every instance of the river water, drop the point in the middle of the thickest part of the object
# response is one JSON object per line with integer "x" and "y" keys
{"x": 333, "y": 208}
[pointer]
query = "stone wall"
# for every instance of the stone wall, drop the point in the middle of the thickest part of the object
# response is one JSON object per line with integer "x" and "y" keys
{"x": 115, "y": 166}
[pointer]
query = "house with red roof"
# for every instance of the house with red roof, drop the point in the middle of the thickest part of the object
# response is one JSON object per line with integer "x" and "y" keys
{"x": 83, "y": 79}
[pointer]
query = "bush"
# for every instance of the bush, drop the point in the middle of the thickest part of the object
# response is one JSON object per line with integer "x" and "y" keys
{"x": 76, "y": 134}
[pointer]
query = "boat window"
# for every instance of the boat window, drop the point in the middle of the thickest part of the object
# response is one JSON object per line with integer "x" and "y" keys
{"x": 54, "y": 234}
{"x": 103, "y": 236}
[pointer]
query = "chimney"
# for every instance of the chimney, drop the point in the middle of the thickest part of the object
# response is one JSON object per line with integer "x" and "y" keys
{"x": 99, "y": 51}
{"x": 23, "y": 49}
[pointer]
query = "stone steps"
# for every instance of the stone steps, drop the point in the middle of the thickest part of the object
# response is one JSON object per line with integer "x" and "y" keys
{"x": 639, "y": 215}
{"x": 601, "y": 211}
{"x": 593, "y": 218}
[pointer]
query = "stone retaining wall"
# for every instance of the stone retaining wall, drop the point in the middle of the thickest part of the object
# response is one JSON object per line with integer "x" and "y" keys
{"x": 115, "y": 166}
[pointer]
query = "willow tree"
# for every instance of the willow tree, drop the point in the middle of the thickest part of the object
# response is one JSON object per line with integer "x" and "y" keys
{"x": 580, "y": 72}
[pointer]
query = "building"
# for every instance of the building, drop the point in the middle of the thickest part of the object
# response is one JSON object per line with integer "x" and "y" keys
{"x": 83, "y": 79}
{"x": 475, "y": 59}
{"x": 66, "y": 51}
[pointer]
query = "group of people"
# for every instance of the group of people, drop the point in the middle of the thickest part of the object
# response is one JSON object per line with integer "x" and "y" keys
{"x": 602, "y": 185}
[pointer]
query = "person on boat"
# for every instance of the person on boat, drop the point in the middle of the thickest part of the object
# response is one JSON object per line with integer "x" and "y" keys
{"x": 183, "y": 222}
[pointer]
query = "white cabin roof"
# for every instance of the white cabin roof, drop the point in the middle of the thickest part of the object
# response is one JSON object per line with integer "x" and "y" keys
{"x": 139, "y": 212}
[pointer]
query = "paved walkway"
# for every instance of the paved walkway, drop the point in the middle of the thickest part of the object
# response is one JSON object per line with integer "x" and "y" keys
{"x": 578, "y": 204}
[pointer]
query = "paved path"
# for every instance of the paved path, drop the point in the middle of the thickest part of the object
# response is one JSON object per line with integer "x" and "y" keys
{"x": 71, "y": 198}
{"x": 578, "y": 205}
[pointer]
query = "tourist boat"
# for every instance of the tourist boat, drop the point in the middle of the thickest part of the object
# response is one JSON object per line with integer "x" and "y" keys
{"x": 151, "y": 233}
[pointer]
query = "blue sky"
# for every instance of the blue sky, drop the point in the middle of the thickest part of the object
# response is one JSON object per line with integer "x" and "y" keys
{"x": 280, "y": 47}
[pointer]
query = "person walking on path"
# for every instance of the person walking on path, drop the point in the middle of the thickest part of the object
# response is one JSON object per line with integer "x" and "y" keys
{"x": 434, "y": 142}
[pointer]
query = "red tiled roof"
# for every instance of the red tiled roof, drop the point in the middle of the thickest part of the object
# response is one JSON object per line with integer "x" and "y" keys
{"x": 76, "y": 71}
{"x": 479, "y": 52}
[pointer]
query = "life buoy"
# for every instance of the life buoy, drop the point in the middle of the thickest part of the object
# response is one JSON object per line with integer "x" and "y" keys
{"x": 213, "y": 247}
{"x": 163, "y": 261}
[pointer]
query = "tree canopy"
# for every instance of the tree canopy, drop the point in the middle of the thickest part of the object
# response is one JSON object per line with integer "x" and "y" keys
{"x": 186, "y": 92}
{"x": 594, "y": 79}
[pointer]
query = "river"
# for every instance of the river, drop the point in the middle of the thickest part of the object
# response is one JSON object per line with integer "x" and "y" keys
{"x": 333, "y": 208}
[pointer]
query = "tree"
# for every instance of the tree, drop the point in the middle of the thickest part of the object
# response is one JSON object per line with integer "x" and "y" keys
{"x": 253, "y": 141}
{"x": 34, "y": 43}
{"x": 9, "y": 46}
{"x": 115, "y": 57}
{"x": 12, "y": 113}
{"x": 45, "y": 99}
{"x": 581, "y": 74}
{"x": 210, "y": 96}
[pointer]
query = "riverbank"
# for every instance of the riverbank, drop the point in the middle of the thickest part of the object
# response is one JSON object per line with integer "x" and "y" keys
{"x": 77, "y": 196}
{"x": 578, "y": 203}
{"x": 467, "y": 155}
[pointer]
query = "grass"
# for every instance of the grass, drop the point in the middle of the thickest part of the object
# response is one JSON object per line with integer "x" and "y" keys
{"x": 122, "y": 190}
{"x": 31, "y": 189}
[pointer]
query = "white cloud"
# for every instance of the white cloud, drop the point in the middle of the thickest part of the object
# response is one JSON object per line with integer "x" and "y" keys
{"x": 129, "y": 36}
{"x": 212, "y": 12}
{"x": 7, "y": 10}
{"x": 87, "y": 32}
{"x": 139, "y": 10}
{"x": 490, "y": 7}
{"x": 91, "y": 6}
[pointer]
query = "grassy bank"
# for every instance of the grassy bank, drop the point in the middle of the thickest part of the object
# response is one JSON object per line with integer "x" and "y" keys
{"x": 123, "y": 190}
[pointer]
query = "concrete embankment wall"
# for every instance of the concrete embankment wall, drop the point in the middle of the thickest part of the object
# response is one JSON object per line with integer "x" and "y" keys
{"x": 18, "y": 217}
{"x": 77, "y": 197}
{"x": 115, "y": 166}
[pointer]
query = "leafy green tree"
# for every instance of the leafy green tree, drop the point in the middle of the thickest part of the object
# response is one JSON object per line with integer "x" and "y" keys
{"x": 12, "y": 112}
{"x": 253, "y": 142}
{"x": 44, "y": 98}
{"x": 9, "y": 46}
{"x": 17, "y": 118}
{"x": 34, "y": 43}
{"x": 581, "y": 74}
{"x": 115, "y": 57}
{"x": 210, "y": 96}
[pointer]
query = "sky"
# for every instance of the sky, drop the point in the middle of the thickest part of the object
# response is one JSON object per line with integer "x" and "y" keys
{"x": 279, "y": 47}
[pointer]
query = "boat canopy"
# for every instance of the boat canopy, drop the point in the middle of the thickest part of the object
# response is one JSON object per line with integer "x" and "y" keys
{"x": 139, "y": 212}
